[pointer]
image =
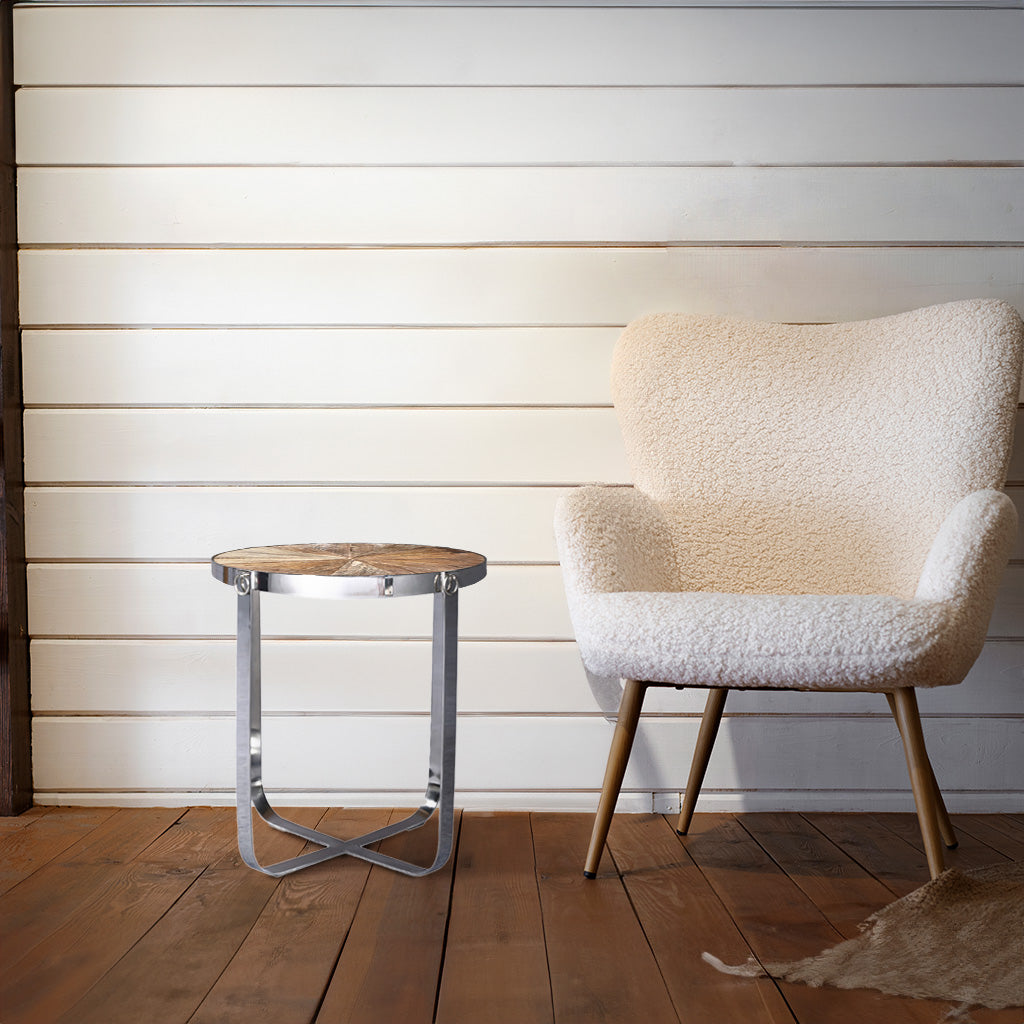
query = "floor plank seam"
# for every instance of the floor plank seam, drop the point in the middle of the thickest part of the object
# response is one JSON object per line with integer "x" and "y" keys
{"x": 543, "y": 923}
{"x": 851, "y": 854}
{"x": 454, "y": 861}
{"x": 344, "y": 938}
{"x": 68, "y": 1014}
{"x": 670, "y": 821}
{"x": 636, "y": 913}
{"x": 230, "y": 960}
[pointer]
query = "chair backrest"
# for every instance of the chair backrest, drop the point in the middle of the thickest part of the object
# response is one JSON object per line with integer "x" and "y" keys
{"x": 816, "y": 459}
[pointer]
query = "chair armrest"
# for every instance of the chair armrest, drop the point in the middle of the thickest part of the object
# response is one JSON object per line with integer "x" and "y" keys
{"x": 969, "y": 554}
{"x": 613, "y": 539}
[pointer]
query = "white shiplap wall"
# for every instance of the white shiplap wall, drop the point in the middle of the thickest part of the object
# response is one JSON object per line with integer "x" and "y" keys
{"x": 296, "y": 273}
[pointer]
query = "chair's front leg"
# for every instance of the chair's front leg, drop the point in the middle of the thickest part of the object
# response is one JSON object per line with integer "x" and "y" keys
{"x": 618, "y": 757}
{"x": 945, "y": 825}
{"x": 922, "y": 781}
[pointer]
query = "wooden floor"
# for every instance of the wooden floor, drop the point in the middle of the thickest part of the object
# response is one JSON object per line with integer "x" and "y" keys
{"x": 132, "y": 915}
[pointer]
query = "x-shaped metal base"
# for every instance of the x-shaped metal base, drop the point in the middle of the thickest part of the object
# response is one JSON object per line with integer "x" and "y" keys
{"x": 440, "y": 791}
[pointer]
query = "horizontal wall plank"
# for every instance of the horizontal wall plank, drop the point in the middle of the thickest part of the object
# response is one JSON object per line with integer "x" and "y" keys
{"x": 467, "y": 366}
{"x": 190, "y": 677}
{"x": 518, "y": 126}
{"x": 180, "y": 524}
{"x": 352, "y": 445}
{"x": 508, "y": 524}
{"x": 470, "y": 205}
{"x": 498, "y": 446}
{"x": 525, "y": 602}
{"x": 451, "y": 46}
{"x": 389, "y": 753}
{"x": 505, "y": 366}
{"x": 167, "y": 600}
{"x": 473, "y": 287}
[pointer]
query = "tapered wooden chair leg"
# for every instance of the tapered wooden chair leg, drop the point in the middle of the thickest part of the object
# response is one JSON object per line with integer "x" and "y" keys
{"x": 622, "y": 743}
{"x": 945, "y": 825}
{"x": 921, "y": 778}
{"x": 701, "y": 755}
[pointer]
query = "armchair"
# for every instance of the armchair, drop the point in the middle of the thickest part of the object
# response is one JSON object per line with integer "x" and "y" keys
{"x": 813, "y": 508}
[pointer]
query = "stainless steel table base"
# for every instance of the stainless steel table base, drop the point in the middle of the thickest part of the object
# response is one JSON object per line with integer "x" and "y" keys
{"x": 440, "y": 789}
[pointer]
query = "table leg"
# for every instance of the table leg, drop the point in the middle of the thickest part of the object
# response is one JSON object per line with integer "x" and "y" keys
{"x": 440, "y": 791}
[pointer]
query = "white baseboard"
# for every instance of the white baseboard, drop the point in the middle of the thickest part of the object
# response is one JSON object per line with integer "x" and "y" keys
{"x": 585, "y": 802}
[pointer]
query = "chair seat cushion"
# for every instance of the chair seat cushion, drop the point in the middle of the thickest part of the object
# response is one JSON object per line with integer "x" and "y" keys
{"x": 801, "y": 641}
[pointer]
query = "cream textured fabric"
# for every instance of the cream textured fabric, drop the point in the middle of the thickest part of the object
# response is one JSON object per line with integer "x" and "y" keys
{"x": 814, "y": 507}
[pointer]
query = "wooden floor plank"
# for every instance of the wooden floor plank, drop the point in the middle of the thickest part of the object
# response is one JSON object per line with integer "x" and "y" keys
{"x": 11, "y": 823}
{"x": 58, "y": 971}
{"x": 28, "y": 849}
{"x": 127, "y": 834}
{"x": 682, "y": 918}
{"x": 983, "y": 828}
{"x": 196, "y": 839}
{"x": 969, "y": 852}
{"x": 495, "y": 965}
{"x": 901, "y": 867}
{"x": 40, "y": 904}
{"x": 282, "y": 968}
{"x": 602, "y": 969}
{"x": 840, "y": 888}
{"x": 780, "y": 923}
{"x": 390, "y": 965}
{"x": 168, "y": 973}
{"x": 1007, "y": 824}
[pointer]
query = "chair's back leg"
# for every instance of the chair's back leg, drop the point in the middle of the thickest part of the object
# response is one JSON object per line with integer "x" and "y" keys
{"x": 701, "y": 755}
{"x": 622, "y": 743}
{"x": 921, "y": 778}
{"x": 945, "y": 825}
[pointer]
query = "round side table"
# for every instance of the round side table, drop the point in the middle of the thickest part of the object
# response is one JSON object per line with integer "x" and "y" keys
{"x": 336, "y": 571}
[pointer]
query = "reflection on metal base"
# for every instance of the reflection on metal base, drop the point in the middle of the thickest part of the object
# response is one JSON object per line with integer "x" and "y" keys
{"x": 440, "y": 790}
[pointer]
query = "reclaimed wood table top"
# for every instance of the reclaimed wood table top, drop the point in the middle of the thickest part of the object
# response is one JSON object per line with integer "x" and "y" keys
{"x": 347, "y": 560}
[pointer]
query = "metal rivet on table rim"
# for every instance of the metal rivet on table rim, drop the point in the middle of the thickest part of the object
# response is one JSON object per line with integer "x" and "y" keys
{"x": 447, "y": 582}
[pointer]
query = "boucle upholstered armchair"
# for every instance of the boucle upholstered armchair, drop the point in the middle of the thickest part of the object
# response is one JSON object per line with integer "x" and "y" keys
{"x": 813, "y": 508}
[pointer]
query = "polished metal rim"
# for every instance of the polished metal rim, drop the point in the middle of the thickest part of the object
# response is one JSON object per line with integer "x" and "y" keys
{"x": 306, "y": 585}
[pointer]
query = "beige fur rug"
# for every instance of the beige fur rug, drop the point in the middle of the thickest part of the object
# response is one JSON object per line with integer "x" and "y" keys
{"x": 959, "y": 937}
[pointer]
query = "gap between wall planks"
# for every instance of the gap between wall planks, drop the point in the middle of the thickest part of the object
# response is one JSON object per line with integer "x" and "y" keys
{"x": 15, "y": 725}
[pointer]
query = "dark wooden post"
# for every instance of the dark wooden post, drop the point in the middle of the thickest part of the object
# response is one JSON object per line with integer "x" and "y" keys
{"x": 15, "y": 725}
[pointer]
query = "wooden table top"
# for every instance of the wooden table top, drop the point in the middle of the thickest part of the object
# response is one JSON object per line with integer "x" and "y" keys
{"x": 349, "y": 559}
